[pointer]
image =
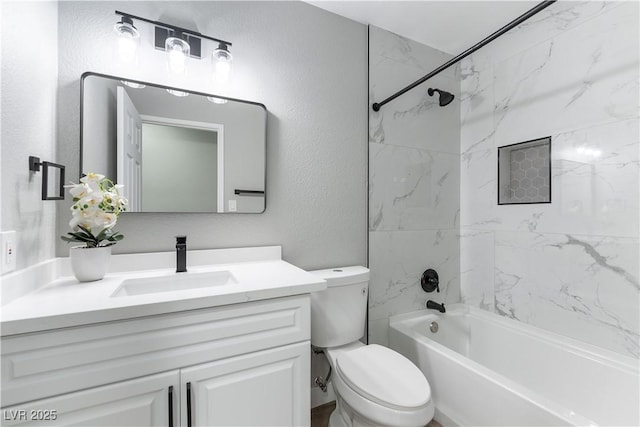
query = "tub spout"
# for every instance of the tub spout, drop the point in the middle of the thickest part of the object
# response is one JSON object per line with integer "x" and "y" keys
{"x": 435, "y": 306}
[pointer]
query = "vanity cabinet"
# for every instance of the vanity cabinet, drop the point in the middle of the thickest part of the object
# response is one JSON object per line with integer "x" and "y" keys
{"x": 139, "y": 402}
{"x": 242, "y": 364}
{"x": 258, "y": 389}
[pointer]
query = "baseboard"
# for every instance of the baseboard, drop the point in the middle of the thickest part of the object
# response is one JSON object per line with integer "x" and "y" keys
{"x": 444, "y": 419}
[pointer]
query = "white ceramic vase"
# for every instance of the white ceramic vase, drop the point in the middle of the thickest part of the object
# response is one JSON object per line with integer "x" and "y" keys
{"x": 89, "y": 264}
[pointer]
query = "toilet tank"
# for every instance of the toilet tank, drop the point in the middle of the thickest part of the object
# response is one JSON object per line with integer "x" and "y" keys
{"x": 338, "y": 313}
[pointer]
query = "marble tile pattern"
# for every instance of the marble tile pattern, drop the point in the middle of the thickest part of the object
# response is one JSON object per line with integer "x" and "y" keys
{"x": 571, "y": 266}
{"x": 414, "y": 180}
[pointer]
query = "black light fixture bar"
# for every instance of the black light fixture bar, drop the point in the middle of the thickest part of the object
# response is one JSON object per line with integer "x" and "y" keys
{"x": 162, "y": 33}
{"x": 173, "y": 27}
{"x": 519, "y": 20}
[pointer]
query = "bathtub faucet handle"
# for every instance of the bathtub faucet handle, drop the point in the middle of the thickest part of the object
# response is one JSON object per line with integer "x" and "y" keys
{"x": 430, "y": 281}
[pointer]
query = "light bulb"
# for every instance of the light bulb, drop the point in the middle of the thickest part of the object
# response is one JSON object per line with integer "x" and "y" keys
{"x": 222, "y": 61}
{"x": 128, "y": 39}
{"x": 223, "y": 69}
{"x": 177, "y": 52}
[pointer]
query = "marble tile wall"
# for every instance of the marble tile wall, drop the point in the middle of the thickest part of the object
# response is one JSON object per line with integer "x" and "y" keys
{"x": 571, "y": 266}
{"x": 414, "y": 180}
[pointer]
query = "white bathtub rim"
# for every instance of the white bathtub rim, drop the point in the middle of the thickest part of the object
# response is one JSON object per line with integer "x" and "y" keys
{"x": 599, "y": 354}
{"x": 514, "y": 387}
{"x": 536, "y": 399}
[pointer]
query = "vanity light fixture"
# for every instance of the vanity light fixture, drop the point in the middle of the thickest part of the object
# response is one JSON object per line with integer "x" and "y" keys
{"x": 128, "y": 39}
{"x": 133, "y": 85}
{"x": 216, "y": 100}
{"x": 180, "y": 44}
{"x": 177, "y": 93}
{"x": 222, "y": 61}
{"x": 178, "y": 51}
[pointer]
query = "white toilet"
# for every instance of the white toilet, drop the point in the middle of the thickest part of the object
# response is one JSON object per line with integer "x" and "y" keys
{"x": 374, "y": 385}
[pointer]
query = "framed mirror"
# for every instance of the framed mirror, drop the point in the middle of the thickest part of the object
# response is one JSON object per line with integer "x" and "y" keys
{"x": 174, "y": 150}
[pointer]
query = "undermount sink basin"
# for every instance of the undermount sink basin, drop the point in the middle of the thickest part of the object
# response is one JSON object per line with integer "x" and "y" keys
{"x": 174, "y": 282}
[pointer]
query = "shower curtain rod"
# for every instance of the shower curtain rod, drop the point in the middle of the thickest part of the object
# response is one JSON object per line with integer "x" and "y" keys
{"x": 376, "y": 106}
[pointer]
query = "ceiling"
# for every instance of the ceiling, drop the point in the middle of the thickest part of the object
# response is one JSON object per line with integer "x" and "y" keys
{"x": 451, "y": 26}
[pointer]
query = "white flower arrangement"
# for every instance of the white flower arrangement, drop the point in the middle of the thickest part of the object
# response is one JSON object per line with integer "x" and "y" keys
{"x": 97, "y": 203}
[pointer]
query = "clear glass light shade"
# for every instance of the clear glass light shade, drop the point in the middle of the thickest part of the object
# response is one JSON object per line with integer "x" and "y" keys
{"x": 128, "y": 40}
{"x": 177, "y": 53}
{"x": 222, "y": 64}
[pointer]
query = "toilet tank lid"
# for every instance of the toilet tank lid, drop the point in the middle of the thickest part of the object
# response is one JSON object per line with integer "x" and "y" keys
{"x": 341, "y": 276}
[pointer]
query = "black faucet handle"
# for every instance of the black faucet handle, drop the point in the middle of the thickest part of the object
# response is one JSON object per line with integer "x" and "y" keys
{"x": 181, "y": 254}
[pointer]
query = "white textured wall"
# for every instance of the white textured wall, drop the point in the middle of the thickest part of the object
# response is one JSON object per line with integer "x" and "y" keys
{"x": 306, "y": 65}
{"x": 29, "y": 85}
{"x": 570, "y": 266}
{"x": 414, "y": 180}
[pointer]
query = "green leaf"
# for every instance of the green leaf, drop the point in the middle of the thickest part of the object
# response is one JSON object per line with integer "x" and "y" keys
{"x": 102, "y": 235}
{"x": 81, "y": 237}
{"x": 86, "y": 230}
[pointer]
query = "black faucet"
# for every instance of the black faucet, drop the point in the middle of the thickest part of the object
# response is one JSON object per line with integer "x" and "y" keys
{"x": 181, "y": 254}
{"x": 435, "y": 306}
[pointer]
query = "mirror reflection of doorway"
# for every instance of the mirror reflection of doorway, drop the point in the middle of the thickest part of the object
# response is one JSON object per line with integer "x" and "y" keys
{"x": 108, "y": 131}
{"x": 182, "y": 167}
{"x": 129, "y": 150}
{"x": 169, "y": 165}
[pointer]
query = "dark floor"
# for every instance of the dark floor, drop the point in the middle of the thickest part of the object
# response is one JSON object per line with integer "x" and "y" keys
{"x": 320, "y": 416}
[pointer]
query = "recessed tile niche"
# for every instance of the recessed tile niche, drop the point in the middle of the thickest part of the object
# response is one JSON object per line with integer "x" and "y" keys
{"x": 524, "y": 172}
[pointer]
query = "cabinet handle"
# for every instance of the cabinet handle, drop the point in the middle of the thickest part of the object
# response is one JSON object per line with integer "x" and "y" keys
{"x": 189, "y": 404}
{"x": 170, "y": 406}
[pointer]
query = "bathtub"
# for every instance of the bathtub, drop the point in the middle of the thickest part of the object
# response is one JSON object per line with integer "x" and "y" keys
{"x": 485, "y": 369}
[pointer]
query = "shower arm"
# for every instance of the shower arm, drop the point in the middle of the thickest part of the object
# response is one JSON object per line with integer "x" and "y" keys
{"x": 539, "y": 7}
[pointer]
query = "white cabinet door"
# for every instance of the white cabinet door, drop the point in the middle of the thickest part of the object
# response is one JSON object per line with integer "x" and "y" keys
{"x": 140, "y": 402}
{"x": 265, "y": 388}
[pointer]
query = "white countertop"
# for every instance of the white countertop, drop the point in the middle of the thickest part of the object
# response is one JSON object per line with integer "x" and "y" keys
{"x": 65, "y": 302}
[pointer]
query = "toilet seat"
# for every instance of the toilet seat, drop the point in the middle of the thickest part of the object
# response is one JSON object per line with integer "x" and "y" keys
{"x": 364, "y": 378}
{"x": 384, "y": 376}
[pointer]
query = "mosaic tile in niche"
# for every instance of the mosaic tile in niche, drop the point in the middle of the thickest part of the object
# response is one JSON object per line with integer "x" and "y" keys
{"x": 524, "y": 170}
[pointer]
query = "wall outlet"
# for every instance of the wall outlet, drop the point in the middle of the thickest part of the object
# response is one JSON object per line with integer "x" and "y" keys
{"x": 9, "y": 252}
{"x": 233, "y": 207}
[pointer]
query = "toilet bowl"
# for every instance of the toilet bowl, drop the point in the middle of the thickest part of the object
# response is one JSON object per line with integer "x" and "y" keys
{"x": 374, "y": 385}
{"x": 378, "y": 386}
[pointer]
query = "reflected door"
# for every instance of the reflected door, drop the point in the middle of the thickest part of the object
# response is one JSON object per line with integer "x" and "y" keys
{"x": 129, "y": 150}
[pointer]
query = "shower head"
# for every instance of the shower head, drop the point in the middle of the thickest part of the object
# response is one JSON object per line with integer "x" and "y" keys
{"x": 445, "y": 97}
